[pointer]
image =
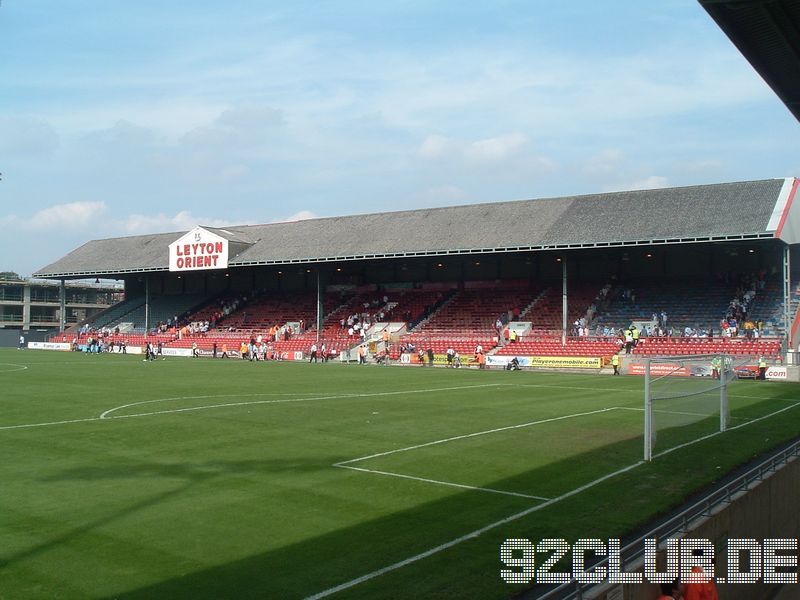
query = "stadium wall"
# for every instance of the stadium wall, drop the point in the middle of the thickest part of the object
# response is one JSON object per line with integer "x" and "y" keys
{"x": 9, "y": 338}
{"x": 768, "y": 510}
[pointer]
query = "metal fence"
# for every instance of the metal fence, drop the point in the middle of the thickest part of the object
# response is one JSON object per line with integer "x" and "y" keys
{"x": 679, "y": 525}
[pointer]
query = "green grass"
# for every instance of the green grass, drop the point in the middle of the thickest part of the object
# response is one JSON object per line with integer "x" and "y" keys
{"x": 220, "y": 482}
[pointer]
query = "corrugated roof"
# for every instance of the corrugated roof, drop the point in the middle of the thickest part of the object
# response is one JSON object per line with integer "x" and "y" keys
{"x": 721, "y": 211}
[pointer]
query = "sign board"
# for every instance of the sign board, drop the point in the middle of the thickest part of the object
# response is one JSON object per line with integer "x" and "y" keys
{"x": 49, "y": 346}
{"x": 176, "y": 351}
{"x": 198, "y": 250}
{"x": 659, "y": 369}
{"x": 503, "y": 360}
{"x": 776, "y": 373}
{"x": 567, "y": 362}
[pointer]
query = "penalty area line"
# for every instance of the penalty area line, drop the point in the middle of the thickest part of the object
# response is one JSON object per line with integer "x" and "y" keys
{"x": 445, "y": 483}
{"x": 471, "y": 435}
{"x": 105, "y": 415}
{"x": 469, "y": 536}
{"x": 516, "y": 516}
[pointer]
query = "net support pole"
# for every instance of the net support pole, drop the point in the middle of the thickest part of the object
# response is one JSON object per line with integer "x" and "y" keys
{"x": 564, "y": 302}
{"x": 648, "y": 414}
{"x": 723, "y": 394}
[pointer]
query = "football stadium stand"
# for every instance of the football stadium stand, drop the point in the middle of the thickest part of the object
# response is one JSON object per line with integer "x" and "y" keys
{"x": 447, "y": 277}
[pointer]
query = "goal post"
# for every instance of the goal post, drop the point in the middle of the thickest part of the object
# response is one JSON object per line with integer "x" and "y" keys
{"x": 685, "y": 398}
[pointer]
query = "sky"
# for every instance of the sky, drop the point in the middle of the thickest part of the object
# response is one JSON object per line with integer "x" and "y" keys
{"x": 124, "y": 118}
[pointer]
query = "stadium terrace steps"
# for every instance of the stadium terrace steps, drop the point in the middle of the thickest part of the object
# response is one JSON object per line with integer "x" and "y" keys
{"x": 768, "y": 307}
{"x": 546, "y": 315}
{"x": 162, "y": 308}
{"x": 116, "y": 313}
{"x": 476, "y": 310}
{"x": 602, "y": 348}
{"x": 687, "y": 304}
{"x": 688, "y": 346}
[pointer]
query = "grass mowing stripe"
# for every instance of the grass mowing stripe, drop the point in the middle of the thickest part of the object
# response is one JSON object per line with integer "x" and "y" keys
{"x": 284, "y": 401}
{"x": 276, "y": 514}
{"x": 445, "y": 483}
{"x": 105, "y": 415}
{"x": 716, "y": 433}
{"x": 468, "y": 536}
{"x": 519, "y": 515}
{"x": 27, "y": 425}
{"x": 470, "y": 435}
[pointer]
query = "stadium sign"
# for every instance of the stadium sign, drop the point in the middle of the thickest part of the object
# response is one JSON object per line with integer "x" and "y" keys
{"x": 198, "y": 250}
{"x": 777, "y": 373}
{"x": 49, "y": 346}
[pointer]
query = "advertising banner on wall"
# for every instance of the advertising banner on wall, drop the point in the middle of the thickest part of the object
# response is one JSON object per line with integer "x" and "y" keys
{"x": 567, "y": 362}
{"x": 659, "y": 369}
{"x": 777, "y": 373}
{"x": 49, "y": 346}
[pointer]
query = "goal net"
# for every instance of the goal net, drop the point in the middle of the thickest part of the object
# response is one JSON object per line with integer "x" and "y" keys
{"x": 685, "y": 399}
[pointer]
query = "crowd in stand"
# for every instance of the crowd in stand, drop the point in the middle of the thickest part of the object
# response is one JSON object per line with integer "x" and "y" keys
{"x": 736, "y": 323}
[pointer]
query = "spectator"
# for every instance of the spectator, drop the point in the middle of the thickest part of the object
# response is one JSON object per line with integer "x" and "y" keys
{"x": 670, "y": 591}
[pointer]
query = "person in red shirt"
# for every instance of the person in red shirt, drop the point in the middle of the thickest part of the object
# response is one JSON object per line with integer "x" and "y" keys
{"x": 670, "y": 591}
{"x": 699, "y": 591}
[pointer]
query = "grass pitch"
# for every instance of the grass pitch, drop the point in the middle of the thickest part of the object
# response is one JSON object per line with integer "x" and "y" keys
{"x": 199, "y": 479}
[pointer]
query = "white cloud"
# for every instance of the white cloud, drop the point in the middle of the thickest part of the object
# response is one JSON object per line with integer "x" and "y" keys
{"x": 492, "y": 149}
{"x": 124, "y": 134}
{"x": 72, "y": 215}
{"x": 434, "y": 146}
{"x": 496, "y": 148}
{"x": 234, "y": 172}
{"x": 237, "y": 128}
{"x": 182, "y": 221}
{"x": 301, "y": 215}
{"x": 27, "y": 137}
{"x": 648, "y": 183}
{"x": 605, "y": 161}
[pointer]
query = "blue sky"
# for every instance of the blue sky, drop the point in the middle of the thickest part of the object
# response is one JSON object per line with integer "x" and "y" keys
{"x": 120, "y": 117}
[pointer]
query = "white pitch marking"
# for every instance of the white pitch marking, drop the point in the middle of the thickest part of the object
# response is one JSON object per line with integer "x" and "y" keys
{"x": 447, "y": 483}
{"x": 27, "y": 425}
{"x": 469, "y": 435}
{"x": 514, "y": 517}
{"x": 371, "y": 395}
{"x": 716, "y": 433}
{"x": 577, "y": 387}
{"x": 680, "y": 412}
{"x": 105, "y": 417}
{"x": 260, "y": 394}
{"x": 19, "y": 367}
{"x": 469, "y": 536}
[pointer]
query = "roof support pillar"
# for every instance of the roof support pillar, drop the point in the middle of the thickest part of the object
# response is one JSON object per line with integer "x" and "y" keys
{"x": 564, "y": 301}
{"x": 787, "y": 299}
{"x": 320, "y": 314}
{"x": 26, "y": 306}
{"x": 146, "y": 304}
{"x": 62, "y": 306}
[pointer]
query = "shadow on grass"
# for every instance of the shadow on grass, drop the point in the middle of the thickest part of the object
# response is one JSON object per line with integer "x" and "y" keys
{"x": 193, "y": 471}
{"x": 467, "y": 570}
